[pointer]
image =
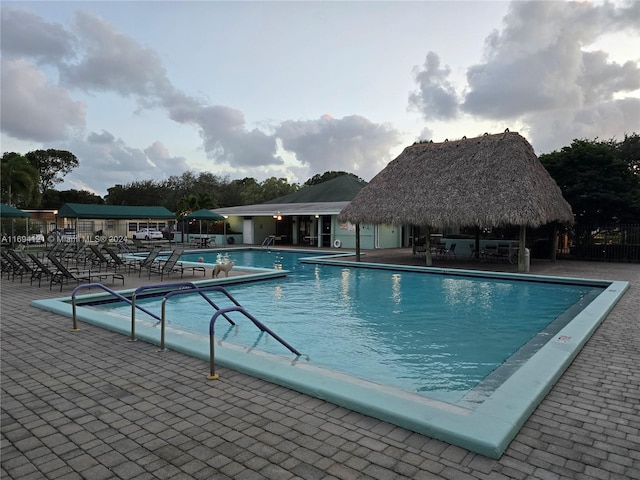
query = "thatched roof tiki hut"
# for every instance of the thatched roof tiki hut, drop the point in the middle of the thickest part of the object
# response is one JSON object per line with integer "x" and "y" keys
{"x": 488, "y": 181}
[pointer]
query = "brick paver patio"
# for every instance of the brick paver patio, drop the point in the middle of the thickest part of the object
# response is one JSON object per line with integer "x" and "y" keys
{"x": 91, "y": 405}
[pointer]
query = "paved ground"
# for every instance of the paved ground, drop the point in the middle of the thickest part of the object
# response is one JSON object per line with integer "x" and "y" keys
{"x": 92, "y": 405}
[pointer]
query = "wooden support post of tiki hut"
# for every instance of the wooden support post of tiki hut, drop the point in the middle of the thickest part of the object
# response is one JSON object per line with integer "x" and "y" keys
{"x": 427, "y": 248}
{"x": 522, "y": 264}
{"x": 357, "y": 242}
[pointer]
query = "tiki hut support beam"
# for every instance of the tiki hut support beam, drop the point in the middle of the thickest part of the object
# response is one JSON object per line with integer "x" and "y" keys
{"x": 477, "y": 243}
{"x": 357, "y": 242}
{"x": 522, "y": 264}
{"x": 427, "y": 248}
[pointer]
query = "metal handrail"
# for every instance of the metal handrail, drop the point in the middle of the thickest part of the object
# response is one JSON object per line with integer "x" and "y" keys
{"x": 270, "y": 240}
{"x": 263, "y": 328}
{"x": 185, "y": 286}
{"x": 219, "y": 312}
{"x": 106, "y": 289}
{"x": 195, "y": 289}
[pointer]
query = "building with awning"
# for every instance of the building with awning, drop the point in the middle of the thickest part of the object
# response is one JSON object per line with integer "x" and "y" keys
{"x": 112, "y": 221}
{"x": 306, "y": 217}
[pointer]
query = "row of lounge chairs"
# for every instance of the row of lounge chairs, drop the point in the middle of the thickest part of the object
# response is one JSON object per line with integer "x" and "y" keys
{"x": 90, "y": 263}
{"x": 55, "y": 271}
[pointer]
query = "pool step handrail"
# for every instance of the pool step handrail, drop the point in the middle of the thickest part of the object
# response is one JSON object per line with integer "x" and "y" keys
{"x": 220, "y": 312}
{"x": 188, "y": 286}
{"x": 85, "y": 286}
{"x": 263, "y": 328}
{"x": 268, "y": 241}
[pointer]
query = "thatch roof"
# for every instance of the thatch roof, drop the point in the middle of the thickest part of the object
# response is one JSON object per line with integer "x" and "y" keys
{"x": 486, "y": 181}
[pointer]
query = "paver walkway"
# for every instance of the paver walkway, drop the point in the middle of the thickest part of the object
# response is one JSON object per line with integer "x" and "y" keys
{"x": 92, "y": 405}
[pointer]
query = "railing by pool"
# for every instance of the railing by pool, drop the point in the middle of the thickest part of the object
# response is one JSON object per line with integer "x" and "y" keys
{"x": 185, "y": 288}
{"x": 221, "y": 312}
{"x": 87, "y": 286}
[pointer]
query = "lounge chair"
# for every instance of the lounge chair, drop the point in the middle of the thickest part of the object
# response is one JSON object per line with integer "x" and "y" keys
{"x": 63, "y": 275}
{"x": 18, "y": 256}
{"x": 12, "y": 268}
{"x": 140, "y": 246}
{"x": 171, "y": 265}
{"x": 97, "y": 258}
{"x": 40, "y": 269}
{"x": 124, "y": 248}
{"x": 144, "y": 263}
{"x": 448, "y": 252}
{"x": 114, "y": 259}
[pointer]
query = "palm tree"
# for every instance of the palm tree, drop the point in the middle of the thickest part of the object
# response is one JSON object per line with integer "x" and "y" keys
{"x": 195, "y": 201}
{"x": 19, "y": 181}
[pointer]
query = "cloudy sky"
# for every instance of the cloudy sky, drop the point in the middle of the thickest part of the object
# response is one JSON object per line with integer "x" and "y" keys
{"x": 141, "y": 90}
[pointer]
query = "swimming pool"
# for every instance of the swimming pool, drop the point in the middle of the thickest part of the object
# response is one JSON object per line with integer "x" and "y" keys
{"x": 403, "y": 373}
{"x": 431, "y": 334}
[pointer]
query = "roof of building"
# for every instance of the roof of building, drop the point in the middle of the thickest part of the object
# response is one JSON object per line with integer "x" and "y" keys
{"x": 486, "y": 181}
{"x": 327, "y": 198}
{"x": 85, "y": 210}
{"x": 339, "y": 189}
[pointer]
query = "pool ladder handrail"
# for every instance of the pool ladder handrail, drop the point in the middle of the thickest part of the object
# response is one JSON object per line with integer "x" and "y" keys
{"x": 261, "y": 326}
{"x": 190, "y": 288}
{"x": 184, "y": 286}
{"x": 86, "y": 286}
{"x": 268, "y": 241}
{"x": 220, "y": 311}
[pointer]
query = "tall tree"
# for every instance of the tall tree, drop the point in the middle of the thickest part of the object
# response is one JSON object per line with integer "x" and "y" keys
{"x": 598, "y": 179}
{"x": 19, "y": 181}
{"x": 53, "y": 165}
{"x": 54, "y": 199}
{"x": 193, "y": 202}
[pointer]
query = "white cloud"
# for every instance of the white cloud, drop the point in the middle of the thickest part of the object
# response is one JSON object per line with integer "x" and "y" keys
{"x": 537, "y": 62}
{"x": 34, "y": 109}
{"x": 353, "y": 143}
{"x": 436, "y": 97}
{"x": 24, "y": 33}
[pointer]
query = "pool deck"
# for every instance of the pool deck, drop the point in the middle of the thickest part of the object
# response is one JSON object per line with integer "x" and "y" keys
{"x": 90, "y": 404}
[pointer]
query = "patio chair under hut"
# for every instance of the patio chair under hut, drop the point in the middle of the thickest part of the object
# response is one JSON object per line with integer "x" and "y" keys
{"x": 487, "y": 181}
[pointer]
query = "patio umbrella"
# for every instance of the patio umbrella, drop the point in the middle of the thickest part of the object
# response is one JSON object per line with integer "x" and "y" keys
{"x": 9, "y": 211}
{"x": 203, "y": 214}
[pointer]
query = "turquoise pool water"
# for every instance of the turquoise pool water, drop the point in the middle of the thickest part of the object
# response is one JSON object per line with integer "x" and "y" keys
{"x": 447, "y": 337}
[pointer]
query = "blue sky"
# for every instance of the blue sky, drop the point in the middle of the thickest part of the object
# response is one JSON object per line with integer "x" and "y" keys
{"x": 145, "y": 90}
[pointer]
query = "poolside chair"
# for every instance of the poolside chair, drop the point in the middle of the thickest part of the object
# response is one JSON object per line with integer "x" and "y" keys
{"x": 6, "y": 266}
{"x": 115, "y": 261}
{"x": 124, "y": 248}
{"x": 12, "y": 268}
{"x": 24, "y": 266}
{"x": 144, "y": 263}
{"x": 140, "y": 246}
{"x": 172, "y": 265}
{"x": 63, "y": 275}
{"x": 168, "y": 266}
{"x": 40, "y": 269}
{"x": 448, "y": 252}
{"x": 503, "y": 252}
{"x": 97, "y": 258}
{"x": 81, "y": 255}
